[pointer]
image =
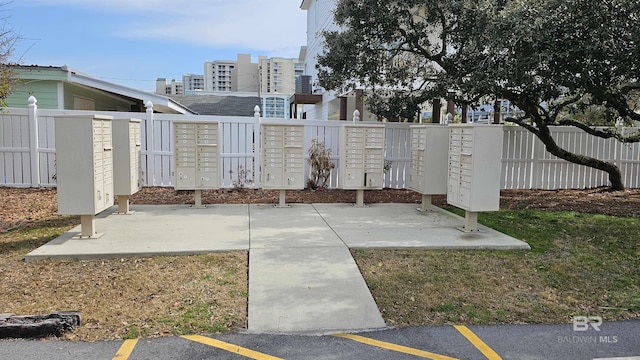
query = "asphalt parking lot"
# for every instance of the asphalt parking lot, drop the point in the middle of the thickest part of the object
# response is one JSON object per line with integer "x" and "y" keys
{"x": 614, "y": 340}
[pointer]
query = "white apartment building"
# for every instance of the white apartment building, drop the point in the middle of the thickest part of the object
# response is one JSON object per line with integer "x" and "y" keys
{"x": 218, "y": 75}
{"x": 192, "y": 82}
{"x": 278, "y": 75}
{"x": 333, "y": 106}
{"x": 268, "y": 76}
{"x": 273, "y": 80}
{"x": 172, "y": 88}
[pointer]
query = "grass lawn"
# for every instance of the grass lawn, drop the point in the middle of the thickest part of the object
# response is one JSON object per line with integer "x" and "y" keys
{"x": 578, "y": 265}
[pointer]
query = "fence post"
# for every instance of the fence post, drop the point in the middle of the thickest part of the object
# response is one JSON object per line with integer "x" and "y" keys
{"x": 257, "y": 151}
{"x": 33, "y": 141}
{"x": 151, "y": 171}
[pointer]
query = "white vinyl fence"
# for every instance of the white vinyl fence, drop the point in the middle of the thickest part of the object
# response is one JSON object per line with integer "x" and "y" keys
{"x": 27, "y": 151}
{"x": 527, "y": 165}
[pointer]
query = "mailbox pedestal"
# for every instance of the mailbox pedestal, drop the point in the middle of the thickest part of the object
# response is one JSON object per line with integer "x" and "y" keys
{"x": 361, "y": 158}
{"x": 475, "y": 164}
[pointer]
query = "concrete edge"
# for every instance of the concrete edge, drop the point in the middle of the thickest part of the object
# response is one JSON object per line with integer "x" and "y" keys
{"x": 106, "y": 256}
{"x": 438, "y": 247}
{"x": 323, "y": 332}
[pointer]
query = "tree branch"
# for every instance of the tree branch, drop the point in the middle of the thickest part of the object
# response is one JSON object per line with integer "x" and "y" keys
{"x": 521, "y": 122}
{"x": 602, "y": 133}
{"x": 562, "y": 104}
{"x": 619, "y": 102}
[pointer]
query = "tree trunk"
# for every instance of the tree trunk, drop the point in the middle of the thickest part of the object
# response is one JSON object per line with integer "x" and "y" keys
{"x": 615, "y": 178}
{"x": 38, "y": 326}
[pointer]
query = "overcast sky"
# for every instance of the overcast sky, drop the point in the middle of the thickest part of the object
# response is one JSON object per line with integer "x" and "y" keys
{"x": 133, "y": 42}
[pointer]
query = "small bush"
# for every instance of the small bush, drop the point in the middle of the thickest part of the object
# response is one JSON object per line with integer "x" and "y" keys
{"x": 321, "y": 165}
{"x": 243, "y": 178}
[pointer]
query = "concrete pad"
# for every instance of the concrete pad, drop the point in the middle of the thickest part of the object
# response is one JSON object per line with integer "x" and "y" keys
{"x": 402, "y": 226}
{"x": 299, "y": 225}
{"x": 155, "y": 230}
{"x": 308, "y": 290}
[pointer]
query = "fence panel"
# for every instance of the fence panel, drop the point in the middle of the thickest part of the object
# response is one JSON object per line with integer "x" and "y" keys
{"x": 628, "y": 160}
{"x": 397, "y": 155}
{"x": 525, "y": 163}
{"x": 47, "y": 150}
{"x": 559, "y": 174}
{"x": 517, "y": 158}
{"x": 163, "y": 152}
{"x": 327, "y": 132}
{"x": 240, "y": 161}
{"x": 15, "y": 157}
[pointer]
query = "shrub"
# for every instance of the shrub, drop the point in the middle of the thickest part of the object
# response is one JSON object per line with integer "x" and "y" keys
{"x": 321, "y": 165}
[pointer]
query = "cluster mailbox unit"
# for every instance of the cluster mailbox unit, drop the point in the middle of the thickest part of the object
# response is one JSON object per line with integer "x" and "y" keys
{"x": 126, "y": 161}
{"x": 84, "y": 167}
{"x": 282, "y": 165}
{"x": 475, "y": 152}
{"x": 197, "y": 157}
{"x": 429, "y": 146}
{"x": 362, "y": 158}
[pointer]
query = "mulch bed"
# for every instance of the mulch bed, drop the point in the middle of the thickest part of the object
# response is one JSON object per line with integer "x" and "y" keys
{"x": 27, "y": 206}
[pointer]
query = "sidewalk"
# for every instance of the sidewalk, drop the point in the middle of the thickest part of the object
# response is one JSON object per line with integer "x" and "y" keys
{"x": 302, "y": 278}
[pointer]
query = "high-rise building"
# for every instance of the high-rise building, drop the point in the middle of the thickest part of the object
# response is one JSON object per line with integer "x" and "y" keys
{"x": 278, "y": 75}
{"x": 193, "y": 82}
{"x": 245, "y": 76}
{"x": 272, "y": 80}
{"x": 172, "y": 88}
{"x": 267, "y": 76}
{"x": 218, "y": 75}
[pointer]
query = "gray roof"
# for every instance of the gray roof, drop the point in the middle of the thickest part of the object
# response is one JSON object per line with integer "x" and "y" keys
{"x": 219, "y": 105}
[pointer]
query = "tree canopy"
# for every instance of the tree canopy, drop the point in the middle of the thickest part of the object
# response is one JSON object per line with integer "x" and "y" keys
{"x": 8, "y": 39}
{"x": 558, "y": 61}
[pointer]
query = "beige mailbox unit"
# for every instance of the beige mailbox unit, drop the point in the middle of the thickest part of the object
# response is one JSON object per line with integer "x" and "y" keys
{"x": 196, "y": 157}
{"x": 84, "y": 167}
{"x": 282, "y": 156}
{"x": 362, "y": 157}
{"x": 126, "y": 161}
{"x": 428, "y": 171}
{"x": 475, "y": 164}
